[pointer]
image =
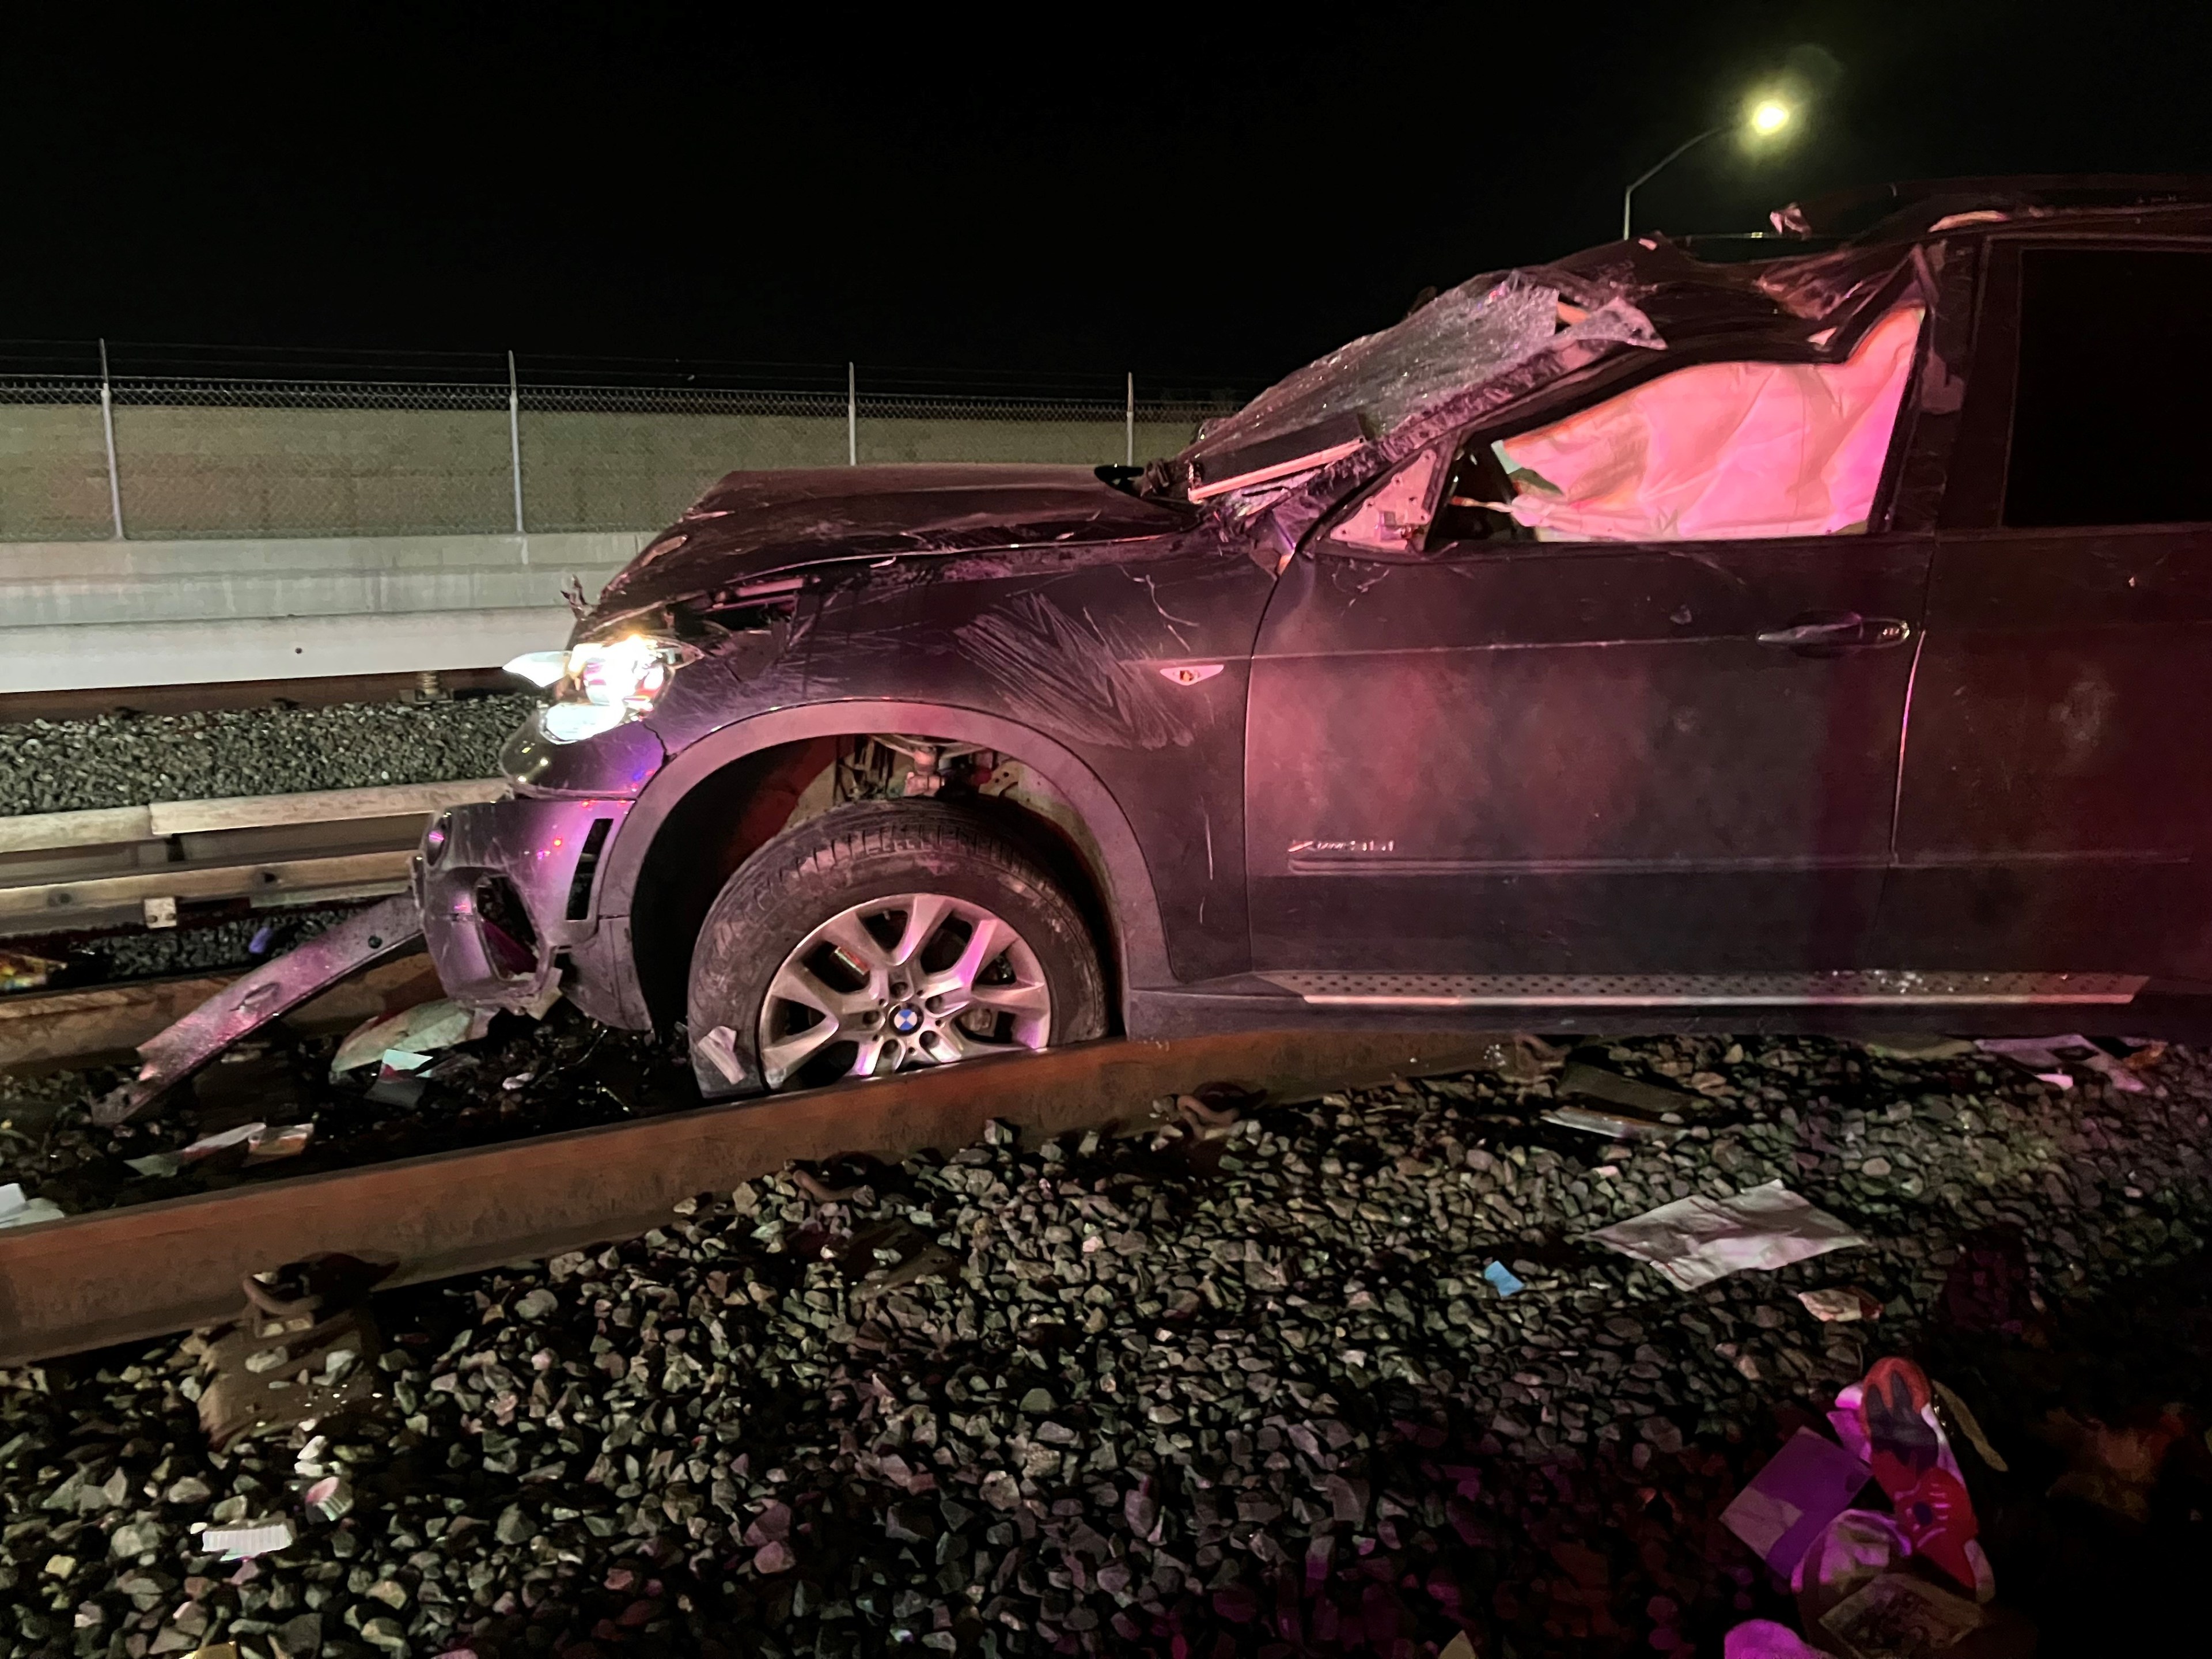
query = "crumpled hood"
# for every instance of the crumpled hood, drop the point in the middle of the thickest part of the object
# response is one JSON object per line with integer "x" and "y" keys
{"x": 754, "y": 525}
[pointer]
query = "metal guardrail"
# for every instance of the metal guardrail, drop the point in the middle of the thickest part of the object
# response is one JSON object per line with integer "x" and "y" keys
{"x": 66, "y": 870}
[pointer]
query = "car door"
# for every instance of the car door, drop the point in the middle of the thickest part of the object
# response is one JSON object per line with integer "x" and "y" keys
{"x": 2056, "y": 795}
{"x": 1616, "y": 759}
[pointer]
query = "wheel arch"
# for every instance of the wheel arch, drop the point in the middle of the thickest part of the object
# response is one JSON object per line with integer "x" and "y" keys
{"x": 754, "y": 769}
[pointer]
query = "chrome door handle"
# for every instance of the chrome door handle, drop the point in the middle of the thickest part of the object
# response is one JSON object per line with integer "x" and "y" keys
{"x": 1838, "y": 630}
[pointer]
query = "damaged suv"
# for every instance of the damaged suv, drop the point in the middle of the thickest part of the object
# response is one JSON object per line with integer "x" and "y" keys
{"x": 1638, "y": 632}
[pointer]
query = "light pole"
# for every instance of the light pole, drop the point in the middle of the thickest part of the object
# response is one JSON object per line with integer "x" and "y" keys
{"x": 1763, "y": 120}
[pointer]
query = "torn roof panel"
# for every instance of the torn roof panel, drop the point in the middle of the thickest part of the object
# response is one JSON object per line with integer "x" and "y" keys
{"x": 1910, "y": 207}
{"x": 1650, "y": 291}
{"x": 1503, "y": 341}
{"x": 1630, "y": 296}
{"x": 1464, "y": 336}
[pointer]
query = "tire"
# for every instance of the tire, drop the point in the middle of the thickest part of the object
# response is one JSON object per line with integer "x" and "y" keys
{"x": 811, "y": 930}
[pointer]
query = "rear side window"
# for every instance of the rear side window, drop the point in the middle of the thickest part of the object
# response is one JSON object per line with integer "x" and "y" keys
{"x": 2112, "y": 407}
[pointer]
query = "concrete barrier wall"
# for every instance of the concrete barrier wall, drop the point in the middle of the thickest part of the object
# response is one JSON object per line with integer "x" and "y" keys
{"x": 53, "y": 472}
{"x": 253, "y": 472}
{"x": 264, "y": 543}
{"x": 299, "y": 471}
{"x": 78, "y": 614}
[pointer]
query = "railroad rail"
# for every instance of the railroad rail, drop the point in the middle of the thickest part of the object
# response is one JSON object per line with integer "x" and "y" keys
{"x": 61, "y": 872}
{"x": 143, "y": 1271}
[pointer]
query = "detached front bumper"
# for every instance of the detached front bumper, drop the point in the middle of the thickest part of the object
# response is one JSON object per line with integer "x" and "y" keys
{"x": 508, "y": 895}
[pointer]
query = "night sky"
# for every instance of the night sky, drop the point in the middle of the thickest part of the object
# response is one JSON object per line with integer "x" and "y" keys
{"x": 1207, "y": 197}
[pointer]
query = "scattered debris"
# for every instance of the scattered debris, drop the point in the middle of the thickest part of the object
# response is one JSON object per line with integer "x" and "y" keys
{"x": 284, "y": 1140}
{"x": 1920, "y": 1046}
{"x": 242, "y": 1135}
{"x": 17, "y": 1211}
{"x": 1285, "y": 1358}
{"x": 718, "y": 1047}
{"x": 1501, "y": 1278}
{"x": 1790, "y": 1502}
{"x": 1614, "y": 1125}
{"x": 244, "y": 1543}
{"x": 1582, "y": 1077}
{"x": 1897, "y": 1616}
{"x": 1855, "y": 1547}
{"x": 1840, "y": 1304}
{"x": 1694, "y": 1241}
{"x": 253, "y": 1001}
{"x": 24, "y": 970}
{"x": 261, "y": 1143}
{"x": 405, "y": 1041}
{"x": 396, "y": 1089}
{"x": 1964, "y": 1421}
{"x": 2048, "y": 1058}
{"x": 328, "y": 1497}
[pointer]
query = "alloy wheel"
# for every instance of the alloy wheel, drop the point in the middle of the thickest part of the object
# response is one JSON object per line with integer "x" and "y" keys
{"x": 918, "y": 979}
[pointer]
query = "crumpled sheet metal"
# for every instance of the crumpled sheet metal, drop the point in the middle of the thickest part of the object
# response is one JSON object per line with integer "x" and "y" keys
{"x": 270, "y": 992}
{"x": 1813, "y": 309}
{"x": 750, "y": 525}
{"x": 1462, "y": 337}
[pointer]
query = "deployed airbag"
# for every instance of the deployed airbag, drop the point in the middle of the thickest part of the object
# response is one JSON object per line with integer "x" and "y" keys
{"x": 1720, "y": 451}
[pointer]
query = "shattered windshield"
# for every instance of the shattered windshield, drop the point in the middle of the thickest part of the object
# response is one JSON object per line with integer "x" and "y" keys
{"x": 1460, "y": 338}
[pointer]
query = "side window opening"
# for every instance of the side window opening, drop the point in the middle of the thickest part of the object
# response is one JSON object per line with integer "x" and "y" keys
{"x": 2108, "y": 425}
{"x": 1474, "y": 508}
{"x": 1714, "y": 452}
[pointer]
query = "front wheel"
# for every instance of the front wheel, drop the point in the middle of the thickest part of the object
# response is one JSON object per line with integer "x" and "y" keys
{"x": 884, "y": 936}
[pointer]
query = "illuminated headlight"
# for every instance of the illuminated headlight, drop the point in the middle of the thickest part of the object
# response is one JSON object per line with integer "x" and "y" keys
{"x": 602, "y": 682}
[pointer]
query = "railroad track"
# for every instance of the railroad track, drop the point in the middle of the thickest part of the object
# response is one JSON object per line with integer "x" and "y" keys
{"x": 146, "y": 1270}
{"x": 63, "y": 871}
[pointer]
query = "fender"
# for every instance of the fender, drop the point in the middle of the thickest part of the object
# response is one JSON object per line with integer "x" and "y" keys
{"x": 1126, "y": 878}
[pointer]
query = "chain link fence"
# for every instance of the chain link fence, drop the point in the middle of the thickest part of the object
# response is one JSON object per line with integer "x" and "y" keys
{"x": 164, "y": 457}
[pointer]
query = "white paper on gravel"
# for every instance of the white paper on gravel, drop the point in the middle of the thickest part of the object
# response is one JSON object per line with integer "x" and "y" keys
{"x": 243, "y": 1543}
{"x": 1694, "y": 1241}
{"x": 17, "y": 1211}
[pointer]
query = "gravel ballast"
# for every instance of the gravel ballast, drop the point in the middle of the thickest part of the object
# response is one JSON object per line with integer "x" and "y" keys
{"x": 524, "y": 1077}
{"x": 130, "y": 760}
{"x": 1181, "y": 1394}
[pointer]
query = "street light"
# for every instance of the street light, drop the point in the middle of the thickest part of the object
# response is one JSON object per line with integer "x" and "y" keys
{"x": 1763, "y": 118}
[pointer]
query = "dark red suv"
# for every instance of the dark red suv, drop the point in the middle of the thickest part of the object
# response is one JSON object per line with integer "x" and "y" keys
{"x": 1644, "y": 636}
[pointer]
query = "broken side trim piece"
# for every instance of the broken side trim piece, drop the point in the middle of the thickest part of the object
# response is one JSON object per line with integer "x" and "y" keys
{"x": 247, "y": 1004}
{"x": 1876, "y": 987}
